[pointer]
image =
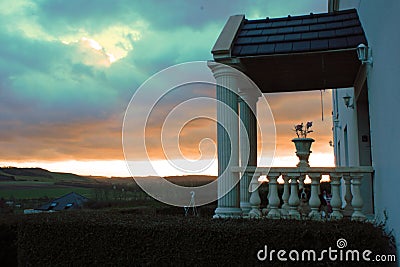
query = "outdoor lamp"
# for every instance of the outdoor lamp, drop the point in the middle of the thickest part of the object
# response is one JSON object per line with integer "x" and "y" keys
{"x": 364, "y": 54}
{"x": 347, "y": 102}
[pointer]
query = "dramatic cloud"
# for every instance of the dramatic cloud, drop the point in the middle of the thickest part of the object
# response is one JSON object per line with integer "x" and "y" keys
{"x": 69, "y": 68}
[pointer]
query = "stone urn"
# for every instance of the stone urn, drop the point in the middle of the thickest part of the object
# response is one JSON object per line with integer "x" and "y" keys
{"x": 303, "y": 146}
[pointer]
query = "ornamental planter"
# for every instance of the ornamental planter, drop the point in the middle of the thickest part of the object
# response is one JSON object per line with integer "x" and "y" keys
{"x": 303, "y": 146}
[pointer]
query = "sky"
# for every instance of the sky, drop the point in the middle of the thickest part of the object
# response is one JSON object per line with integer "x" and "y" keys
{"x": 68, "y": 70}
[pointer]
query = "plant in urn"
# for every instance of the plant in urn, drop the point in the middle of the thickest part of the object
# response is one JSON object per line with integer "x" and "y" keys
{"x": 302, "y": 143}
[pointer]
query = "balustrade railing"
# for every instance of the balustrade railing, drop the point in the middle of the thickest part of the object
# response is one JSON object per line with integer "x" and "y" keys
{"x": 291, "y": 205}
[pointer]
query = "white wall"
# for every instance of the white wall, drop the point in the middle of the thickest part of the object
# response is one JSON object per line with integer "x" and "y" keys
{"x": 347, "y": 119}
{"x": 380, "y": 20}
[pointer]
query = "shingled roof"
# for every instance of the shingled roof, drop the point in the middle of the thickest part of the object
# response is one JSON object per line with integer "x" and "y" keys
{"x": 68, "y": 201}
{"x": 298, "y": 34}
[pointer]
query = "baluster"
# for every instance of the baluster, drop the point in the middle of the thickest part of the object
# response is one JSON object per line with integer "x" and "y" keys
{"x": 336, "y": 201}
{"x": 357, "y": 201}
{"x": 255, "y": 199}
{"x": 348, "y": 209}
{"x": 266, "y": 209}
{"x": 294, "y": 200}
{"x": 273, "y": 199}
{"x": 301, "y": 181}
{"x": 314, "y": 201}
{"x": 285, "y": 195}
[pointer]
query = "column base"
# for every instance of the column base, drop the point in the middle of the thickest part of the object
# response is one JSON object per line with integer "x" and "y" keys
{"x": 246, "y": 208}
{"x": 336, "y": 215}
{"x": 227, "y": 212}
{"x": 294, "y": 213}
{"x": 274, "y": 214}
{"x": 315, "y": 215}
{"x": 255, "y": 213}
{"x": 358, "y": 216}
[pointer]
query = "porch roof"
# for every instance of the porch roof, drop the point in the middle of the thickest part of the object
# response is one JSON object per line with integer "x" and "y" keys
{"x": 315, "y": 51}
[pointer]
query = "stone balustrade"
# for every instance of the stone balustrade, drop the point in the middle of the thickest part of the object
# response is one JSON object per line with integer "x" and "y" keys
{"x": 290, "y": 205}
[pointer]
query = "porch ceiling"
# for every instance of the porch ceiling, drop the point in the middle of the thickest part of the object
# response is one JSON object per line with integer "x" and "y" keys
{"x": 316, "y": 51}
{"x": 302, "y": 72}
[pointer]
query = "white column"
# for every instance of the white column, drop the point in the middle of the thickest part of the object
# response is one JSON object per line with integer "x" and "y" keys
{"x": 314, "y": 201}
{"x": 248, "y": 143}
{"x": 294, "y": 200}
{"x": 273, "y": 199}
{"x": 336, "y": 201}
{"x": 228, "y": 141}
{"x": 357, "y": 201}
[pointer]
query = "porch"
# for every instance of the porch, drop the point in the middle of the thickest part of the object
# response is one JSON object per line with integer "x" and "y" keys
{"x": 310, "y": 52}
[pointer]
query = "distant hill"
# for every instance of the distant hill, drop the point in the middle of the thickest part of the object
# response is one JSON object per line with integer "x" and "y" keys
{"x": 7, "y": 178}
{"x": 40, "y": 175}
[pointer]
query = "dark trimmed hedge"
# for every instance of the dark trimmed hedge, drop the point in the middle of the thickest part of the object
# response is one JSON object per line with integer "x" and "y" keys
{"x": 88, "y": 238}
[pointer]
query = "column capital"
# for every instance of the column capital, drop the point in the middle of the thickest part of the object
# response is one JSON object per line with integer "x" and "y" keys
{"x": 247, "y": 96}
{"x": 219, "y": 69}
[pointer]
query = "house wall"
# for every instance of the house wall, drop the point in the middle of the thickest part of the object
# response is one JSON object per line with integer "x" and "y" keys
{"x": 380, "y": 20}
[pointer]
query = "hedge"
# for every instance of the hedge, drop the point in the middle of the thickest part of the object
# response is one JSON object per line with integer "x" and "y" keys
{"x": 114, "y": 238}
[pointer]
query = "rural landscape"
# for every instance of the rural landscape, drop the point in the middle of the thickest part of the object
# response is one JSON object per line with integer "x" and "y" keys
{"x": 29, "y": 188}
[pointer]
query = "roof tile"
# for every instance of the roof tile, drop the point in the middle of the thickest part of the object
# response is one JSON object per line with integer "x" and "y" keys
{"x": 344, "y": 31}
{"x": 301, "y": 46}
{"x": 293, "y": 37}
{"x": 337, "y": 43}
{"x": 302, "y": 28}
{"x": 334, "y": 25}
{"x": 263, "y": 25}
{"x": 319, "y": 45}
{"x": 309, "y": 35}
{"x": 236, "y": 49}
{"x": 354, "y": 41}
{"x": 276, "y": 38}
{"x": 283, "y": 47}
{"x": 358, "y": 30}
{"x": 249, "y": 50}
{"x": 310, "y": 21}
{"x": 249, "y": 26}
{"x": 259, "y": 39}
{"x": 294, "y": 22}
{"x": 326, "y": 34}
{"x": 285, "y": 30}
{"x": 253, "y": 32}
{"x": 317, "y": 27}
{"x": 266, "y": 49}
{"x": 279, "y": 23}
{"x": 326, "y": 19}
{"x": 243, "y": 40}
{"x": 352, "y": 22}
{"x": 269, "y": 31}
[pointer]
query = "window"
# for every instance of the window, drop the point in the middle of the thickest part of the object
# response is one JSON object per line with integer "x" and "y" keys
{"x": 52, "y": 205}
